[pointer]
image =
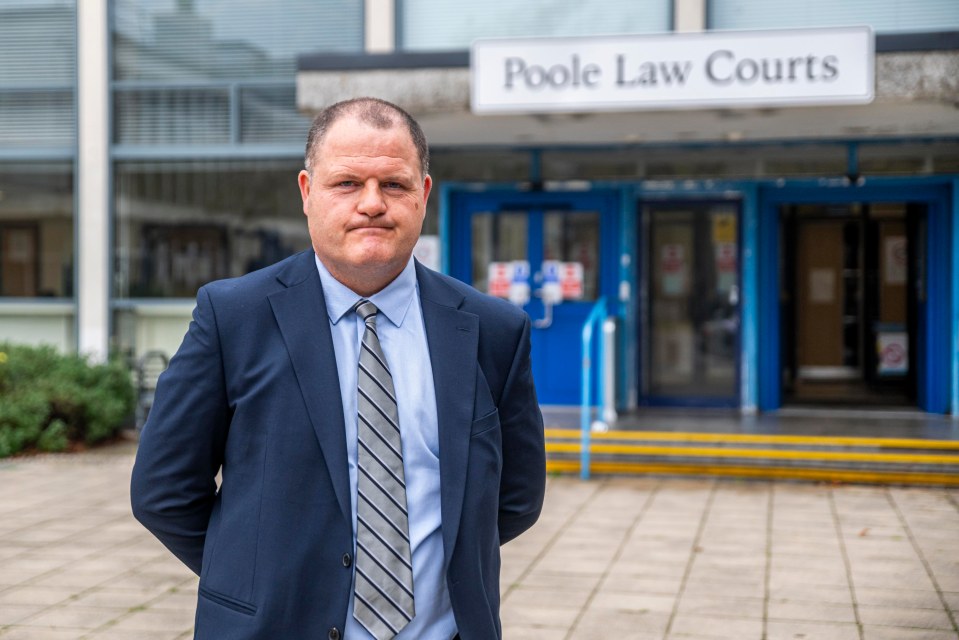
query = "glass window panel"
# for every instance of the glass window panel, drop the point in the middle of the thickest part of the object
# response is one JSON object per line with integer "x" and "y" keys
{"x": 37, "y": 118}
{"x": 908, "y": 158}
{"x": 884, "y": 16}
{"x": 480, "y": 166}
{"x": 37, "y": 73}
{"x": 181, "y": 224}
{"x": 693, "y": 313}
{"x": 194, "y": 71}
{"x": 441, "y": 25}
{"x": 183, "y": 40}
{"x": 574, "y": 237}
{"x": 269, "y": 114}
{"x": 36, "y": 230}
{"x": 37, "y": 42}
{"x": 701, "y": 162}
{"x": 497, "y": 237}
{"x": 174, "y": 116}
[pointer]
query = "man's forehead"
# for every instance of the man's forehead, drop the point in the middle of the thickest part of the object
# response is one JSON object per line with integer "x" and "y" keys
{"x": 351, "y": 139}
{"x": 351, "y": 123}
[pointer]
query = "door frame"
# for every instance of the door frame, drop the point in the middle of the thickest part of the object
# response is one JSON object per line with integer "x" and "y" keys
{"x": 642, "y": 329}
{"x": 460, "y": 202}
{"x": 937, "y": 331}
{"x": 464, "y": 200}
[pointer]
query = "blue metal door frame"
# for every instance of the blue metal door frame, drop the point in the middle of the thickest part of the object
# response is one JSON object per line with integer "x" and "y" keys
{"x": 759, "y": 228}
{"x": 938, "y": 315}
{"x": 745, "y": 192}
{"x": 464, "y": 201}
{"x": 461, "y": 202}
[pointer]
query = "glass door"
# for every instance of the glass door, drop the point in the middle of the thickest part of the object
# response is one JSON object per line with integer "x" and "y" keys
{"x": 551, "y": 253}
{"x": 690, "y": 315}
{"x": 850, "y": 313}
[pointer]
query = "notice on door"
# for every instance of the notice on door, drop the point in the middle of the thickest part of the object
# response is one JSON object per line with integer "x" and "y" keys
{"x": 500, "y": 275}
{"x": 893, "y": 352}
{"x": 673, "y": 268}
{"x": 822, "y": 286}
{"x": 895, "y": 260}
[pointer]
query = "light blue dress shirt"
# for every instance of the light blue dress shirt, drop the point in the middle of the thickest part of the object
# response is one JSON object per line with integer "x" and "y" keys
{"x": 402, "y": 335}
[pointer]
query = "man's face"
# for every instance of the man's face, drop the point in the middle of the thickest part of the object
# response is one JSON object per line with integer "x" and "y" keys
{"x": 364, "y": 202}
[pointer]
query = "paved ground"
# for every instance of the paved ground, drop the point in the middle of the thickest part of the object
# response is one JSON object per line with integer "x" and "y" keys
{"x": 614, "y": 558}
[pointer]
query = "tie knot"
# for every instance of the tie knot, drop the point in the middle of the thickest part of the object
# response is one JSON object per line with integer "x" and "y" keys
{"x": 366, "y": 310}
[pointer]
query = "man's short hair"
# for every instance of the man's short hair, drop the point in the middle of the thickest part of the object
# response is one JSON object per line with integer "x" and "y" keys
{"x": 377, "y": 113}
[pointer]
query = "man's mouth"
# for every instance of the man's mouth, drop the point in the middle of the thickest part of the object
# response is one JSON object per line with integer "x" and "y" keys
{"x": 370, "y": 228}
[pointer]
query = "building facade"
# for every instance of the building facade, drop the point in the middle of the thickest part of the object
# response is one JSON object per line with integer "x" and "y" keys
{"x": 754, "y": 254}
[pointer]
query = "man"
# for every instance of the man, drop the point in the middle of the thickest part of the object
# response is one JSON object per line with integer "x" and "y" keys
{"x": 375, "y": 423}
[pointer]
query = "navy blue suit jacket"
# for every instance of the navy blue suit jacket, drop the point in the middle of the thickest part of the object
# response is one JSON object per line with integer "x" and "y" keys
{"x": 253, "y": 392}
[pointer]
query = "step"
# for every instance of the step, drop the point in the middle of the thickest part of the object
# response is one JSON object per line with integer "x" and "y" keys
{"x": 762, "y": 456}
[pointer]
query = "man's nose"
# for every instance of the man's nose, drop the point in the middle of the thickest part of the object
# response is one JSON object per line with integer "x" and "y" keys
{"x": 371, "y": 201}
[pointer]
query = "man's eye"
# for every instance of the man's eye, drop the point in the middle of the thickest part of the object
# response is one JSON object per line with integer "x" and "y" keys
{"x": 393, "y": 185}
{"x": 347, "y": 183}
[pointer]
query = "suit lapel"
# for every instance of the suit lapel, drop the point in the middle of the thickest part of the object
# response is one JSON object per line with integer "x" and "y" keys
{"x": 300, "y": 312}
{"x": 453, "y": 337}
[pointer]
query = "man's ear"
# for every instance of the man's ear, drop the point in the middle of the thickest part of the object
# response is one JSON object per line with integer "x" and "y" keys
{"x": 303, "y": 179}
{"x": 427, "y": 187}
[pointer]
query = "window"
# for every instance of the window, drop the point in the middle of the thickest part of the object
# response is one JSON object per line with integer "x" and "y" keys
{"x": 181, "y": 224}
{"x": 37, "y": 73}
{"x": 195, "y": 72}
{"x": 438, "y": 25}
{"x": 36, "y": 230}
{"x": 884, "y": 16}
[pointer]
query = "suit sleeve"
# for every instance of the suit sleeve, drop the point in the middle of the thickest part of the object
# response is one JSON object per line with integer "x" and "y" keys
{"x": 523, "y": 483}
{"x": 173, "y": 486}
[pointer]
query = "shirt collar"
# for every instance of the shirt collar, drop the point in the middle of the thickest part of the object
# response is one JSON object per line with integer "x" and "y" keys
{"x": 393, "y": 301}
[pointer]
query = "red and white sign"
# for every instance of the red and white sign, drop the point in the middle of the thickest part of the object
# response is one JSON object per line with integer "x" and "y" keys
{"x": 726, "y": 257}
{"x": 893, "y": 348}
{"x": 500, "y": 276}
{"x": 571, "y": 280}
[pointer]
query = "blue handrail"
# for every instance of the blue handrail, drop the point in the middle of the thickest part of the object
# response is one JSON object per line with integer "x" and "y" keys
{"x": 597, "y": 316}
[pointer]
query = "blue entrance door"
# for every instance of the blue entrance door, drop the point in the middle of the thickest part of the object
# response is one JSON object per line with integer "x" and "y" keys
{"x": 926, "y": 299}
{"x": 569, "y": 228}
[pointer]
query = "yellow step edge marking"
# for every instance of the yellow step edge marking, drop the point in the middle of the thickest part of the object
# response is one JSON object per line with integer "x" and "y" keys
{"x": 768, "y": 473}
{"x": 826, "y": 441}
{"x": 780, "y": 454}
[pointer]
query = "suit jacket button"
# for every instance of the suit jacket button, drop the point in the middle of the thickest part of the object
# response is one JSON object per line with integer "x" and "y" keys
{"x": 347, "y": 560}
{"x": 334, "y": 634}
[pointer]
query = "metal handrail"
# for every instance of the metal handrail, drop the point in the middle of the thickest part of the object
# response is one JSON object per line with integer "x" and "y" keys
{"x": 597, "y": 316}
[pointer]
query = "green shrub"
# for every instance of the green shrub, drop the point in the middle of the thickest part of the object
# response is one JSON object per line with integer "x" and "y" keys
{"x": 54, "y": 437}
{"x": 49, "y": 400}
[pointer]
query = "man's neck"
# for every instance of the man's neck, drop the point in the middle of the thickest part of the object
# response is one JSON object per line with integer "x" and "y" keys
{"x": 367, "y": 282}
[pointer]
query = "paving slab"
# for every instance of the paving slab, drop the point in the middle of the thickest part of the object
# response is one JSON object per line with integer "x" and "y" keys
{"x": 620, "y": 558}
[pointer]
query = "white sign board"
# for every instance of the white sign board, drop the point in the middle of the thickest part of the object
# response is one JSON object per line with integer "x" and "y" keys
{"x": 893, "y": 352}
{"x": 678, "y": 70}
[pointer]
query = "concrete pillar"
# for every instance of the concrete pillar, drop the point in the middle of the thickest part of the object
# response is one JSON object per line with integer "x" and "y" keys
{"x": 380, "y": 26}
{"x": 689, "y": 16}
{"x": 92, "y": 180}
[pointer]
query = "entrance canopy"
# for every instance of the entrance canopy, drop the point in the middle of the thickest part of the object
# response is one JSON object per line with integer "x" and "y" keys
{"x": 915, "y": 96}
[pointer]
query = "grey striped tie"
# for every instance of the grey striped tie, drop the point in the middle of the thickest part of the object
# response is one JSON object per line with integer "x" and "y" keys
{"x": 383, "y": 601}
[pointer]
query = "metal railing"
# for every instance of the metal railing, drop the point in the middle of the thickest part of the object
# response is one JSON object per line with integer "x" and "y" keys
{"x": 604, "y": 379}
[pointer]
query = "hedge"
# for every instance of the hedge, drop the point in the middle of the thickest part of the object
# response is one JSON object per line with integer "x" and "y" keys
{"x": 50, "y": 401}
